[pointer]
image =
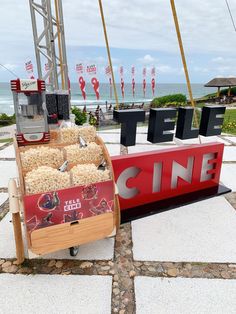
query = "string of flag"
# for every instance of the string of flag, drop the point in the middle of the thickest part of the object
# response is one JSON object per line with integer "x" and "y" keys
{"x": 89, "y": 73}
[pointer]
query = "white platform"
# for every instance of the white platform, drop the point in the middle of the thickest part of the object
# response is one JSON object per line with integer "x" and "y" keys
{"x": 229, "y": 153}
{"x": 99, "y": 250}
{"x": 8, "y": 152}
{"x": 201, "y": 232}
{"x": 7, "y": 171}
{"x": 228, "y": 176}
{"x": 231, "y": 138}
{"x": 55, "y": 294}
{"x": 185, "y": 296}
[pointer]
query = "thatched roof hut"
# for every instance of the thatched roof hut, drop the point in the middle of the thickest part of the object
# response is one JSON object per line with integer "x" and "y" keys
{"x": 222, "y": 82}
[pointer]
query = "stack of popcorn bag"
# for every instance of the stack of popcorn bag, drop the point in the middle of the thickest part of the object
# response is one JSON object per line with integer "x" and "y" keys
{"x": 42, "y": 163}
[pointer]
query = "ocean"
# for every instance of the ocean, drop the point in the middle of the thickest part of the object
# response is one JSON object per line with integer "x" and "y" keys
{"x": 6, "y": 99}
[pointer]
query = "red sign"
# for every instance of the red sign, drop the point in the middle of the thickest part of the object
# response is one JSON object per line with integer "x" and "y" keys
{"x": 149, "y": 177}
{"x": 122, "y": 86}
{"x": 58, "y": 207}
{"x": 82, "y": 85}
{"x": 95, "y": 83}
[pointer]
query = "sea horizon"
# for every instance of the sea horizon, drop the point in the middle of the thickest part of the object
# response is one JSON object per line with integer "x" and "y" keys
{"x": 162, "y": 89}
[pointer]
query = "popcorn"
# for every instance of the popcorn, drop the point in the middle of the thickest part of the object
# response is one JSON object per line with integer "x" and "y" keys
{"x": 45, "y": 179}
{"x": 88, "y": 133}
{"x": 87, "y": 174}
{"x": 92, "y": 153}
{"x": 41, "y": 156}
{"x": 71, "y": 135}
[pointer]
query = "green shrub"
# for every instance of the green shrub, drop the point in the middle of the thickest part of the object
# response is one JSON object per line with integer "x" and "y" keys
{"x": 7, "y": 120}
{"x": 92, "y": 120}
{"x": 175, "y": 100}
{"x": 80, "y": 116}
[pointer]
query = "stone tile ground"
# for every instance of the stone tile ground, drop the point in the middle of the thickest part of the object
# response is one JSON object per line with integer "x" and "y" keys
{"x": 118, "y": 282}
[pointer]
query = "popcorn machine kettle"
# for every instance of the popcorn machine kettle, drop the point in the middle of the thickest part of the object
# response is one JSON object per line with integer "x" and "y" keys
{"x": 31, "y": 113}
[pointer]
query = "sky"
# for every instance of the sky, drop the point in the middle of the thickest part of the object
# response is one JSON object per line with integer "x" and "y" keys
{"x": 141, "y": 33}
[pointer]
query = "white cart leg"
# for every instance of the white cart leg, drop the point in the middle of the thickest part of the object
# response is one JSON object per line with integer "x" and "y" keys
{"x": 15, "y": 210}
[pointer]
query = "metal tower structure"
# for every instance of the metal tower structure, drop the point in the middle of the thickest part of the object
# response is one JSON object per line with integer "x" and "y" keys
{"x": 49, "y": 42}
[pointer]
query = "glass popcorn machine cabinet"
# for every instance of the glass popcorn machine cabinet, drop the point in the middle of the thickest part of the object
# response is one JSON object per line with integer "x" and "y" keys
{"x": 30, "y": 109}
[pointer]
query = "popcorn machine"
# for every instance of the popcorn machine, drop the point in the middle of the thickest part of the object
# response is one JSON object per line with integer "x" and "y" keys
{"x": 31, "y": 113}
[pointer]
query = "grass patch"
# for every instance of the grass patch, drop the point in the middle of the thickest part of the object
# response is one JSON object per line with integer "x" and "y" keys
{"x": 229, "y": 125}
{"x": 6, "y": 140}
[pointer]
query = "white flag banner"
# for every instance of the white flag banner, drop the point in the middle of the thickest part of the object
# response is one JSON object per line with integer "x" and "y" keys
{"x": 29, "y": 69}
{"x": 121, "y": 71}
{"x": 80, "y": 68}
{"x": 108, "y": 71}
{"x": 91, "y": 69}
{"x": 133, "y": 71}
{"x": 144, "y": 72}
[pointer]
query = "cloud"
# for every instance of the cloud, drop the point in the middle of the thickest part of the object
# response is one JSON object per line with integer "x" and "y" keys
{"x": 144, "y": 26}
{"x": 147, "y": 59}
{"x": 200, "y": 69}
{"x": 218, "y": 59}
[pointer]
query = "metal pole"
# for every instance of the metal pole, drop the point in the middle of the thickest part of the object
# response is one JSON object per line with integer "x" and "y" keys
{"x": 63, "y": 46}
{"x": 59, "y": 44}
{"x": 52, "y": 41}
{"x": 183, "y": 58}
{"x": 108, "y": 53}
{"x": 35, "y": 35}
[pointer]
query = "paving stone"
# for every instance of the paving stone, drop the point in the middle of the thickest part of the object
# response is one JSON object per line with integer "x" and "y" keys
{"x": 229, "y": 153}
{"x": 3, "y": 198}
{"x": 86, "y": 265}
{"x": 52, "y": 263}
{"x": 173, "y": 272}
{"x": 231, "y": 138}
{"x": 184, "y": 296}
{"x": 59, "y": 264}
{"x": 10, "y": 269}
{"x": 225, "y": 275}
{"x": 7, "y": 242}
{"x": 8, "y": 152}
{"x": 64, "y": 294}
{"x": 7, "y": 170}
{"x": 200, "y": 232}
{"x": 228, "y": 175}
{"x": 6, "y": 264}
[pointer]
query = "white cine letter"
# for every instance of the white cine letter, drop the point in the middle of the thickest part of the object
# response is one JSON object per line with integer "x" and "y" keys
{"x": 156, "y": 183}
{"x": 178, "y": 171}
{"x": 124, "y": 191}
{"x": 206, "y": 166}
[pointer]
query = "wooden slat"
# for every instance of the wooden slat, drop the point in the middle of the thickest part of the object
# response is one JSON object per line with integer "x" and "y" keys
{"x": 63, "y": 236}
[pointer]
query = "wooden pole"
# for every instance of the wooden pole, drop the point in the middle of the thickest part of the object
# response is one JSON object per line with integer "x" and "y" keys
{"x": 108, "y": 53}
{"x": 218, "y": 92}
{"x": 18, "y": 238}
{"x": 183, "y": 57}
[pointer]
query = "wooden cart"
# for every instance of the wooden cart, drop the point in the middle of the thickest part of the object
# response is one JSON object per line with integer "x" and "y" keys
{"x": 64, "y": 235}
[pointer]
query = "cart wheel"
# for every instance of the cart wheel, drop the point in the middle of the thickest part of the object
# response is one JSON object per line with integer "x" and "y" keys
{"x": 74, "y": 250}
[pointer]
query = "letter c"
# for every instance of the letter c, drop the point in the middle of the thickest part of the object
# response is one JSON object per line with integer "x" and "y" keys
{"x": 124, "y": 191}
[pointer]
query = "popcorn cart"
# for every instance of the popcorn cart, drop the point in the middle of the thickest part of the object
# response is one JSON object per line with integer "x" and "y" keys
{"x": 65, "y": 194}
{"x": 30, "y": 110}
